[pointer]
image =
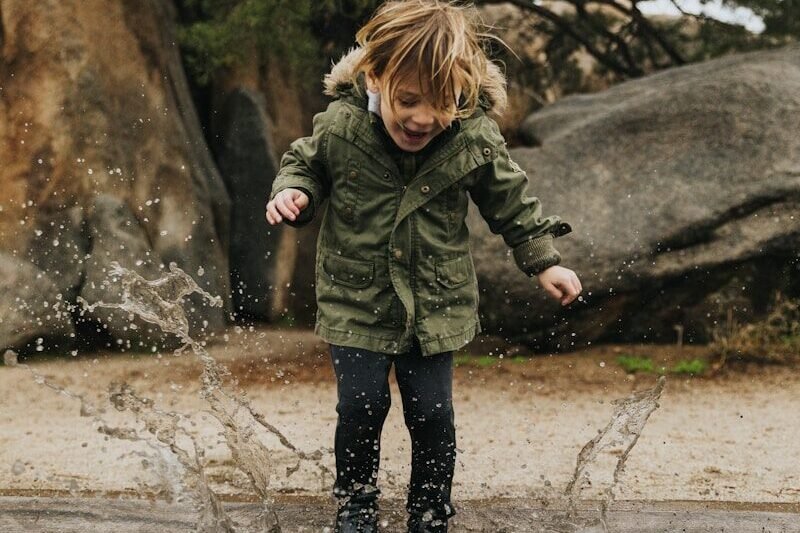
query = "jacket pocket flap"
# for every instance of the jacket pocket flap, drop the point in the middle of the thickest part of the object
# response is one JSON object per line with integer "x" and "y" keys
{"x": 453, "y": 273}
{"x": 354, "y": 273}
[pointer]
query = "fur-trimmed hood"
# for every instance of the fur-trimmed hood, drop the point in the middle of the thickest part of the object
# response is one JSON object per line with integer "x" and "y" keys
{"x": 339, "y": 82}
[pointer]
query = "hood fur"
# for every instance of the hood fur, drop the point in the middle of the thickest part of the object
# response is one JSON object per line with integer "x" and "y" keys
{"x": 339, "y": 81}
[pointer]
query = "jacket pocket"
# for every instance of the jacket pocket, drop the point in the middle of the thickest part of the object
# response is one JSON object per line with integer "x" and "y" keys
{"x": 355, "y": 273}
{"x": 453, "y": 273}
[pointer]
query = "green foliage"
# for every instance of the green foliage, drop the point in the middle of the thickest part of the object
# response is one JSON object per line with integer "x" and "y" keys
{"x": 694, "y": 367}
{"x": 635, "y": 363}
{"x": 229, "y": 31}
{"x": 223, "y": 33}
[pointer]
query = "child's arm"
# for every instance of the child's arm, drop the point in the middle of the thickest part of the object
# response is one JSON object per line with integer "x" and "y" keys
{"x": 302, "y": 181}
{"x": 499, "y": 193}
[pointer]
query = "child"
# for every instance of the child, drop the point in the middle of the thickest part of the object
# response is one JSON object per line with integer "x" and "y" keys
{"x": 397, "y": 151}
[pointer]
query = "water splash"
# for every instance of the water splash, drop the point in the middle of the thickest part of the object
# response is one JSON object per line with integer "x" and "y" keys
{"x": 620, "y": 435}
{"x": 87, "y": 409}
{"x": 10, "y": 359}
{"x": 160, "y": 302}
{"x": 165, "y": 426}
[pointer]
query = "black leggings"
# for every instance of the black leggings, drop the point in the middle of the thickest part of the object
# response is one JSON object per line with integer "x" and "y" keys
{"x": 426, "y": 387}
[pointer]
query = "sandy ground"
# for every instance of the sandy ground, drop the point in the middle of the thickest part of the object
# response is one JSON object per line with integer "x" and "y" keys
{"x": 520, "y": 425}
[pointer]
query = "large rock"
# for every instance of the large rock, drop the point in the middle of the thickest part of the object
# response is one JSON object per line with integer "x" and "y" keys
{"x": 95, "y": 111}
{"x": 259, "y": 274}
{"x": 683, "y": 191}
{"x": 32, "y": 310}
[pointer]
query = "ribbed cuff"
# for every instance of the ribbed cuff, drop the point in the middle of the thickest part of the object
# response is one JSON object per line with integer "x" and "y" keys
{"x": 535, "y": 255}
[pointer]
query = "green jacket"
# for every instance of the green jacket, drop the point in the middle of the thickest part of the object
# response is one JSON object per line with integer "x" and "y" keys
{"x": 393, "y": 257}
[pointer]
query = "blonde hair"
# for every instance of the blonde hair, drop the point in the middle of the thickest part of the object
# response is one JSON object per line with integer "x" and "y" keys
{"x": 440, "y": 41}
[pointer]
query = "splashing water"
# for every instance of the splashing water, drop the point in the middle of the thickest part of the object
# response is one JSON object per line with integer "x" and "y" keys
{"x": 160, "y": 302}
{"x": 170, "y": 485}
{"x": 619, "y": 436}
{"x": 10, "y": 360}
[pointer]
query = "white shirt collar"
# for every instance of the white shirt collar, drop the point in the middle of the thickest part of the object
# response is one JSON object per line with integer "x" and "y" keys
{"x": 374, "y": 102}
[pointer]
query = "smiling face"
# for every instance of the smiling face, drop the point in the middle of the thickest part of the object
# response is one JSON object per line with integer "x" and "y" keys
{"x": 413, "y": 121}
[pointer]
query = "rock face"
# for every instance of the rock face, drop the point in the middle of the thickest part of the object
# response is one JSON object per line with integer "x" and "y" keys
{"x": 32, "y": 309}
{"x": 683, "y": 191}
{"x": 248, "y": 166}
{"x": 103, "y": 159}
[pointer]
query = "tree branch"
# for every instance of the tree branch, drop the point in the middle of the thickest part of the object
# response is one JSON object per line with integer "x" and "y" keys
{"x": 648, "y": 28}
{"x": 622, "y": 46}
{"x": 603, "y": 57}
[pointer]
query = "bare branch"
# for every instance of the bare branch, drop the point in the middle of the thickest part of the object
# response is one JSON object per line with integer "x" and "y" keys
{"x": 603, "y": 57}
{"x": 622, "y": 46}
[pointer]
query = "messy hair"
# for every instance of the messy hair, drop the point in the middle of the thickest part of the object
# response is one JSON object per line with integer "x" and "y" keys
{"x": 439, "y": 42}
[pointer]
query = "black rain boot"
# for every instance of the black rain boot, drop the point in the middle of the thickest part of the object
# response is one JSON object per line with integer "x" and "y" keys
{"x": 426, "y": 523}
{"x": 357, "y": 514}
{"x": 356, "y": 521}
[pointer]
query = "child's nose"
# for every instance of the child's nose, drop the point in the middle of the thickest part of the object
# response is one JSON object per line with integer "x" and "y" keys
{"x": 424, "y": 119}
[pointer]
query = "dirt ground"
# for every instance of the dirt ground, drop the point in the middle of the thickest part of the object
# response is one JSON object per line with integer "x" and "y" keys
{"x": 521, "y": 421}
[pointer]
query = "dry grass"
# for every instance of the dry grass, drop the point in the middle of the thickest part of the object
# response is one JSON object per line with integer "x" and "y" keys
{"x": 776, "y": 339}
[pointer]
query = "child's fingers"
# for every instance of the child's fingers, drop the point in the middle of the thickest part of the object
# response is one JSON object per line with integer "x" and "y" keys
{"x": 571, "y": 291}
{"x": 286, "y": 207}
{"x": 300, "y": 200}
{"x": 272, "y": 210}
{"x": 576, "y": 285}
{"x": 553, "y": 290}
{"x": 287, "y": 200}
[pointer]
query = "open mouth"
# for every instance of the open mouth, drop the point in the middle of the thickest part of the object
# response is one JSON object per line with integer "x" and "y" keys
{"x": 414, "y": 136}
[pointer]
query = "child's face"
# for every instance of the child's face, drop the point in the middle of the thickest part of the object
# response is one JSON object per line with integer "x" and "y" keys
{"x": 413, "y": 123}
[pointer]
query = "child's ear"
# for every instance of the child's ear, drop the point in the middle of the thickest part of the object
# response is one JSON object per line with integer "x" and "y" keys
{"x": 372, "y": 82}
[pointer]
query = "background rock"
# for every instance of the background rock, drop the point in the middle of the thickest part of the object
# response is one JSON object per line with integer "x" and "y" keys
{"x": 32, "y": 308}
{"x": 248, "y": 166}
{"x": 94, "y": 102}
{"x": 683, "y": 191}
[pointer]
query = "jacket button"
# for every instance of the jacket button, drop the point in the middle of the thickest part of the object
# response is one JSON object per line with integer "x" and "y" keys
{"x": 425, "y": 189}
{"x": 398, "y": 253}
{"x": 487, "y": 152}
{"x": 353, "y": 174}
{"x": 387, "y": 175}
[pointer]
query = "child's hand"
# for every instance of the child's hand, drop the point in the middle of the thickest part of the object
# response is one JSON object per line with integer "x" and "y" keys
{"x": 561, "y": 283}
{"x": 287, "y": 203}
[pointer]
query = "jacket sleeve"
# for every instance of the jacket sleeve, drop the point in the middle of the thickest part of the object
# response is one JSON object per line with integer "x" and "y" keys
{"x": 305, "y": 167}
{"x": 499, "y": 193}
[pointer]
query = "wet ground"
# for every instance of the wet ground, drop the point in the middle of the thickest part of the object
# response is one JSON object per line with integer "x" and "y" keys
{"x": 299, "y": 514}
{"x": 720, "y": 454}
